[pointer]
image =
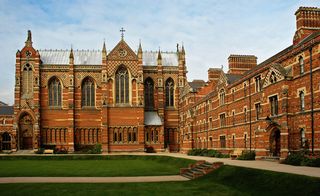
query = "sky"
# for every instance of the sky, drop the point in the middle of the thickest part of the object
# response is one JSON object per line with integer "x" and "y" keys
{"x": 210, "y": 30}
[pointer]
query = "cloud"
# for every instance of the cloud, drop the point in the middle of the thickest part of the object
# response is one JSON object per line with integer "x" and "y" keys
{"x": 210, "y": 30}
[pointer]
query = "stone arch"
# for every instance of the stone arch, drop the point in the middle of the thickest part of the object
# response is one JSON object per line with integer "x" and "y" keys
{"x": 275, "y": 142}
{"x": 26, "y": 132}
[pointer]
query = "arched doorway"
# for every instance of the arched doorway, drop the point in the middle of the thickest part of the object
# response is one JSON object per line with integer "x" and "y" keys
{"x": 25, "y": 132}
{"x": 275, "y": 145}
{"x": 6, "y": 141}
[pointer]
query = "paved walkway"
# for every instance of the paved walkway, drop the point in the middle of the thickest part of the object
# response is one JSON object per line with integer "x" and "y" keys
{"x": 5, "y": 180}
{"x": 265, "y": 165}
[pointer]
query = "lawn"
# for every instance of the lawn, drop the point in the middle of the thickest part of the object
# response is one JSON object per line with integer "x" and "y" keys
{"x": 86, "y": 166}
{"x": 227, "y": 180}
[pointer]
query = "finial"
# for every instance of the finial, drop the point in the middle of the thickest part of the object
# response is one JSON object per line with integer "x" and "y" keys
{"x": 122, "y": 32}
{"x": 177, "y": 47}
{"x": 29, "y": 39}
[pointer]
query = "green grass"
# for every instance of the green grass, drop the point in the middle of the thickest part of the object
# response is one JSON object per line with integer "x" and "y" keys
{"x": 227, "y": 180}
{"x": 91, "y": 166}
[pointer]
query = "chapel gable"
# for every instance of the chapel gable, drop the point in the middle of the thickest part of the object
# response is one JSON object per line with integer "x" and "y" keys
{"x": 122, "y": 52}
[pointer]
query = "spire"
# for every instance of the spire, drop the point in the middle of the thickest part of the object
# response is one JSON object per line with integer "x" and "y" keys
{"x": 182, "y": 50}
{"x": 177, "y": 48}
{"x": 71, "y": 58}
{"x": 159, "y": 55}
{"x": 104, "y": 50}
{"x": 29, "y": 39}
{"x": 71, "y": 53}
{"x": 140, "y": 48}
{"x": 159, "y": 60}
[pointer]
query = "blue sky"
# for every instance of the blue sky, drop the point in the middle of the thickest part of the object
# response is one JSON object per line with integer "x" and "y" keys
{"x": 211, "y": 30}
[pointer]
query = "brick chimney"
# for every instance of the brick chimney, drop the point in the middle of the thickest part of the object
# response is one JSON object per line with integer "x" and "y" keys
{"x": 214, "y": 74}
{"x": 239, "y": 64}
{"x": 308, "y": 22}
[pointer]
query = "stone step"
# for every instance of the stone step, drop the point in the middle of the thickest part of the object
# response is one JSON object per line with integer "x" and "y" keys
{"x": 187, "y": 175}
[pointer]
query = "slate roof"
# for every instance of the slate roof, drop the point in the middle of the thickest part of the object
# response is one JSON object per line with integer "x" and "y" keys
{"x": 196, "y": 84}
{"x": 2, "y": 103}
{"x": 94, "y": 57}
{"x": 149, "y": 58}
{"x": 61, "y": 57}
{"x": 233, "y": 78}
{"x": 152, "y": 118}
{"x": 6, "y": 110}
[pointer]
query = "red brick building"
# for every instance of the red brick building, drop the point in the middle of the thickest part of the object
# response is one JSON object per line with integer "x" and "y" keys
{"x": 272, "y": 107}
{"x": 124, "y": 100}
{"x": 128, "y": 101}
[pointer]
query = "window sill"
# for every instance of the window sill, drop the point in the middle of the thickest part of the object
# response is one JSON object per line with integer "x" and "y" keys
{"x": 88, "y": 108}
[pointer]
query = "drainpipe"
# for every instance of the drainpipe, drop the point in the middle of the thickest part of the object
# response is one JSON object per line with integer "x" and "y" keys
{"x": 311, "y": 90}
{"x": 250, "y": 111}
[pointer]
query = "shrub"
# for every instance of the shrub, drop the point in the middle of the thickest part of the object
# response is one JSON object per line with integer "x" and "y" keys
{"x": 40, "y": 151}
{"x": 96, "y": 149}
{"x": 207, "y": 153}
{"x": 89, "y": 149}
{"x": 60, "y": 151}
{"x": 247, "y": 155}
{"x": 149, "y": 149}
{"x": 295, "y": 159}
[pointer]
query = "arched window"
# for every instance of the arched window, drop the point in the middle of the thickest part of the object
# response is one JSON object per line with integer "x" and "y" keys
{"x": 6, "y": 141}
{"x": 222, "y": 96}
{"x": 169, "y": 92}
{"x": 88, "y": 92}
{"x": 245, "y": 89}
{"x": 301, "y": 95}
{"x": 273, "y": 78}
{"x": 148, "y": 94}
{"x": 54, "y": 92}
{"x": 122, "y": 85}
{"x": 27, "y": 80}
{"x": 301, "y": 65}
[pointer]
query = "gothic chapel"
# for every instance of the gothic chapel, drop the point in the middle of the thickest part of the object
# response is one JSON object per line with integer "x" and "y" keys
{"x": 124, "y": 100}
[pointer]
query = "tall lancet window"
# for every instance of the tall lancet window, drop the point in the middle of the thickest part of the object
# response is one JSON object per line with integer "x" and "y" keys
{"x": 88, "y": 92}
{"x": 27, "y": 80}
{"x": 122, "y": 85}
{"x": 301, "y": 64}
{"x": 148, "y": 94}
{"x": 301, "y": 95}
{"x": 169, "y": 92}
{"x": 54, "y": 92}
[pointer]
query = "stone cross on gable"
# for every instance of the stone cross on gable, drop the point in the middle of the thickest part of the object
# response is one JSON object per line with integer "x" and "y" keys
{"x": 122, "y": 32}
